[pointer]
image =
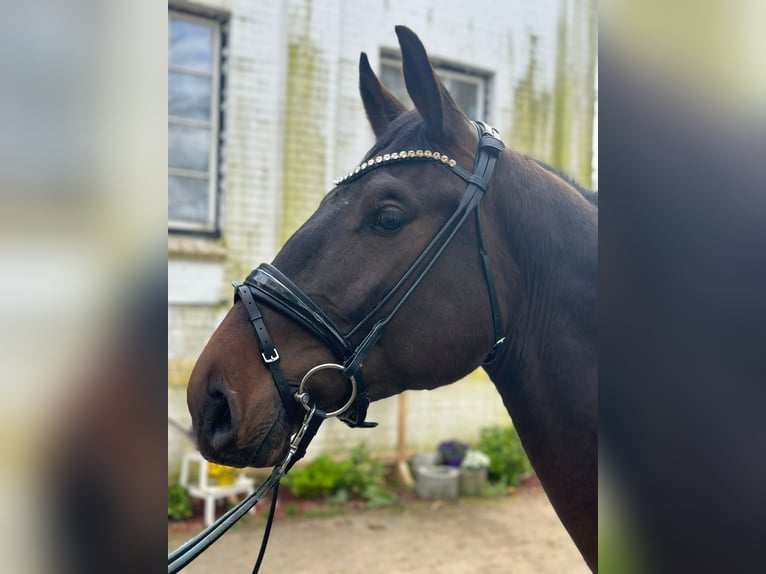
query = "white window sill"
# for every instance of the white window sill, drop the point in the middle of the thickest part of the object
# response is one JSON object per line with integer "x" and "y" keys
{"x": 196, "y": 247}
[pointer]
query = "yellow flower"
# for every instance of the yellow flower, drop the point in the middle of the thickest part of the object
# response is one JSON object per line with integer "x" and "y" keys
{"x": 223, "y": 475}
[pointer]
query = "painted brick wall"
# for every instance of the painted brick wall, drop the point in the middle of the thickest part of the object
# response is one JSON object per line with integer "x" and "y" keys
{"x": 540, "y": 56}
{"x": 294, "y": 121}
{"x": 251, "y": 165}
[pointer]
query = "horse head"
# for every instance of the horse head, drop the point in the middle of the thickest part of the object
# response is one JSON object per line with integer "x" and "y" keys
{"x": 351, "y": 260}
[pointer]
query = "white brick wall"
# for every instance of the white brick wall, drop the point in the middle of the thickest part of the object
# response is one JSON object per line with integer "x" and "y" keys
{"x": 294, "y": 121}
{"x": 193, "y": 282}
{"x": 456, "y": 411}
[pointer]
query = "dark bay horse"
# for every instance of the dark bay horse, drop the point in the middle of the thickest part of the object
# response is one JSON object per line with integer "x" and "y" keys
{"x": 541, "y": 237}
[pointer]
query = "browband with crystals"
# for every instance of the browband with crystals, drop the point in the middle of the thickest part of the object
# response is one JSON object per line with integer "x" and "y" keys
{"x": 388, "y": 158}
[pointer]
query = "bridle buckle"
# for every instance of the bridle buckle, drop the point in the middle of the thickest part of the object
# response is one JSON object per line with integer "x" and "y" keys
{"x": 273, "y": 359}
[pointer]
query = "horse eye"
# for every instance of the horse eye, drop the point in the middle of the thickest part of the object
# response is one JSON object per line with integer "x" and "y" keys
{"x": 389, "y": 219}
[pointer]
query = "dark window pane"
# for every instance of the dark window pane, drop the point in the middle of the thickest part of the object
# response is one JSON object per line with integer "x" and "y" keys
{"x": 391, "y": 76}
{"x": 189, "y": 96}
{"x": 188, "y": 148}
{"x": 466, "y": 95}
{"x": 190, "y": 44}
{"x": 188, "y": 199}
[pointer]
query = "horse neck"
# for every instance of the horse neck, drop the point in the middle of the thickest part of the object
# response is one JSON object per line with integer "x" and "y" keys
{"x": 545, "y": 236}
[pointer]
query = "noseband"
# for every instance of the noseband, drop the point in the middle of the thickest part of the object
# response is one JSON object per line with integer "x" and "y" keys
{"x": 267, "y": 285}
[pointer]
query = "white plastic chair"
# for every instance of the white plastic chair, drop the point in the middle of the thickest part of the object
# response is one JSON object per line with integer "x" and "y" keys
{"x": 212, "y": 492}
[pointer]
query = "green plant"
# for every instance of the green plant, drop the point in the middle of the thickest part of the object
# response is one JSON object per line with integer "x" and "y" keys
{"x": 339, "y": 498}
{"x": 360, "y": 475}
{"x": 494, "y": 490}
{"x": 365, "y": 478}
{"x": 179, "y": 505}
{"x": 363, "y": 471}
{"x": 508, "y": 461}
{"x": 321, "y": 477}
{"x": 376, "y": 495}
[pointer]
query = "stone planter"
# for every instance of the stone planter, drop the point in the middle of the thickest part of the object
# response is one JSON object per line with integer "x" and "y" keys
{"x": 453, "y": 461}
{"x": 472, "y": 481}
{"x": 438, "y": 481}
{"x": 424, "y": 459}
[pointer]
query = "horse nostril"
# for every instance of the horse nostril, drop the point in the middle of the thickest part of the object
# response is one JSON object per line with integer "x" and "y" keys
{"x": 220, "y": 427}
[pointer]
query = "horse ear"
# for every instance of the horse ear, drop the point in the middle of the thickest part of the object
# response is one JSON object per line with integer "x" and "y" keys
{"x": 441, "y": 114}
{"x": 380, "y": 104}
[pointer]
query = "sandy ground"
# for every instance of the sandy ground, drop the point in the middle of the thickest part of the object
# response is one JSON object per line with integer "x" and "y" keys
{"x": 519, "y": 534}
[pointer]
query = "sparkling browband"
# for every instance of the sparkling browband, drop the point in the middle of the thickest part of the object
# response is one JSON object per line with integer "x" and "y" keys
{"x": 406, "y": 155}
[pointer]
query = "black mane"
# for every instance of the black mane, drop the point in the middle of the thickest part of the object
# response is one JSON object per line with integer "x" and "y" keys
{"x": 590, "y": 195}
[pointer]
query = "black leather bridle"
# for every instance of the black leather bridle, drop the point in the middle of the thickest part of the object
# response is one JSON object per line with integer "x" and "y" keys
{"x": 267, "y": 285}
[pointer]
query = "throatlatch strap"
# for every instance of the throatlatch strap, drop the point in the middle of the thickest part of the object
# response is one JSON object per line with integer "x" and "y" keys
{"x": 497, "y": 322}
{"x": 488, "y": 140}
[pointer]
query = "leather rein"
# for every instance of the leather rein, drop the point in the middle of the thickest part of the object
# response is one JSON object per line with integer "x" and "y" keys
{"x": 267, "y": 285}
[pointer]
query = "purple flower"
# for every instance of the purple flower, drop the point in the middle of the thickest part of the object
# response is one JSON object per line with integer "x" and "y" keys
{"x": 452, "y": 452}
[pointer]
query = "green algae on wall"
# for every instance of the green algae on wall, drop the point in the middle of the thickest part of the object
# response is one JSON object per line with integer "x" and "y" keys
{"x": 555, "y": 124}
{"x": 303, "y": 170}
{"x": 562, "y": 94}
{"x": 531, "y": 112}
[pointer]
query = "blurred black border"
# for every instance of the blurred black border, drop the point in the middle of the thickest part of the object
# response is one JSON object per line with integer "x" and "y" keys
{"x": 682, "y": 282}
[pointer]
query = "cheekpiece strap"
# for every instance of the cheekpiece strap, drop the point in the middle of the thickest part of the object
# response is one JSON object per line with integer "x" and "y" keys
{"x": 269, "y": 352}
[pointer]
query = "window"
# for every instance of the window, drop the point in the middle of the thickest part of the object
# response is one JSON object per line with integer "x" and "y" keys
{"x": 194, "y": 47}
{"x": 467, "y": 89}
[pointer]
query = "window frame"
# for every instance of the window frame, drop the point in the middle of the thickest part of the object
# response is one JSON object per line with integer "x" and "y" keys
{"x": 453, "y": 71}
{"x": 211, "y": 226}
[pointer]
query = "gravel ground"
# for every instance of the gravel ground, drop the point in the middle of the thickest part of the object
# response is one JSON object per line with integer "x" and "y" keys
{"x": 519, "y": 534}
